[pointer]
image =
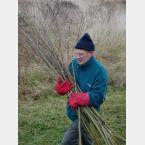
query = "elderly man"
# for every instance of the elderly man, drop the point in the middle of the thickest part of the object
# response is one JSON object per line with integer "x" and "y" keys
{"x": 92, "y": 78}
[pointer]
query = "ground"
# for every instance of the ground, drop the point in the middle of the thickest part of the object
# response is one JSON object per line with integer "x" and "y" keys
{"x": 44, "y": 122}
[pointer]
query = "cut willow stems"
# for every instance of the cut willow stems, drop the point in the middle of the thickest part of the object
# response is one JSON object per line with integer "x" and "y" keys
{"x": 44, "y": 55}
{"x": 79, "y": 126}
{"x": 91, "y": 130}
{"x": 53, "y": 73}
{"x": 103, "y": 122}
{"x": 106, "y": 132}
{"x": 78, "y": 110}
{"x": 50, "y": 67}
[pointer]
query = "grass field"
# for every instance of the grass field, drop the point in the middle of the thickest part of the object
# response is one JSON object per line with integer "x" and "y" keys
{"x": 44, "y": 122}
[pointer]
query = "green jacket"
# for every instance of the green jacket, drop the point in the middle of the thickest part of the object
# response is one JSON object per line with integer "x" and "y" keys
{"x": 92, "y": 78}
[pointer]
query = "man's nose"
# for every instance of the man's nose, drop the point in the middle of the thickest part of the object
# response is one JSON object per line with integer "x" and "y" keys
{"x": 78, "y": 56}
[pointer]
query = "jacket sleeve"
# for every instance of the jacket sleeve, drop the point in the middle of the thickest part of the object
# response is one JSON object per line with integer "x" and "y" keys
{"x": 98, "y": 91}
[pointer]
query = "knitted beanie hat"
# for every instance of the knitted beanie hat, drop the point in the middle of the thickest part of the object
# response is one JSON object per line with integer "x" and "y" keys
{"x": 85, "y": 43}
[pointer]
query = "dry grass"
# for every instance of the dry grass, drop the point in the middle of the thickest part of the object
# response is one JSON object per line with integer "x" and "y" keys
{"x": 106, "y": 26}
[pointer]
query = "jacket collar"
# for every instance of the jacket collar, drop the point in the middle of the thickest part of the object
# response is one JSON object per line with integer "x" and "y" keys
{"x": 87, "y": 63}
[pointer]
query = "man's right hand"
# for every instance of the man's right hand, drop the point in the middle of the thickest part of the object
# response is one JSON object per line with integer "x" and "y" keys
{"x": 62, "y": 87}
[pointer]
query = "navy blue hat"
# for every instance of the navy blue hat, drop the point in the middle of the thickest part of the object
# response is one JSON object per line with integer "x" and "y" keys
{"x": 85, "y": 43}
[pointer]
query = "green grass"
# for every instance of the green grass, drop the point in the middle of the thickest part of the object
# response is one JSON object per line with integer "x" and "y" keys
{"x": 43, "y": 122}
{"x": 114, "y": 110}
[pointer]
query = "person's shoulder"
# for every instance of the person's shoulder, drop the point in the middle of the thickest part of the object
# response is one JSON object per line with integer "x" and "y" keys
{"x": 99, "y": 64}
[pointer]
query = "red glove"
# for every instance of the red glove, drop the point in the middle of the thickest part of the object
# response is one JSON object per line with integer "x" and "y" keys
{"x": 62, "y": 87}
{"x": 79, "y": 99}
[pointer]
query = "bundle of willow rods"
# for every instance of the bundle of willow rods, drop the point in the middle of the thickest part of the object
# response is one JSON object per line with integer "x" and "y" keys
{"x": 47, "y": 43}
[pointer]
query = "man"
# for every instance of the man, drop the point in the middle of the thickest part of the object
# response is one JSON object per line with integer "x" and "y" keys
{"x": 92, "y": 78}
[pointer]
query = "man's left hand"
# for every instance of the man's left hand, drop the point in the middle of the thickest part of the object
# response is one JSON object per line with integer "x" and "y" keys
{"x": 78, "y": 99}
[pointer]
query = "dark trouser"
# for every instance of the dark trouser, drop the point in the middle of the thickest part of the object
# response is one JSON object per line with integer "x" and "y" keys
{"x": 71, "y": 136}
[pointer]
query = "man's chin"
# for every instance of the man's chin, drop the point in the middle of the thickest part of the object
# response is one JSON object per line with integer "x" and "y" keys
{"x": 79, "y": 62}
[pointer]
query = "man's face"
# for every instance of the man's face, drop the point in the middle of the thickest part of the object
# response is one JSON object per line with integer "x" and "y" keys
{"x": 82, "y": 56}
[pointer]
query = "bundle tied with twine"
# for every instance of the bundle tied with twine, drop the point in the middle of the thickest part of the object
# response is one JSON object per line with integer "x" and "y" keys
{"x": 51, "y": 32}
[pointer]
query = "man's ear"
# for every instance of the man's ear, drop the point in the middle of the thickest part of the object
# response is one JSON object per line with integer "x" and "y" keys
{"x": 92, "y": 52}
